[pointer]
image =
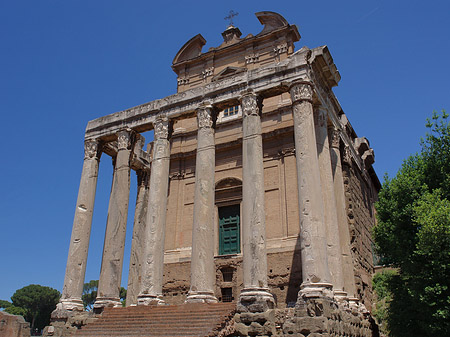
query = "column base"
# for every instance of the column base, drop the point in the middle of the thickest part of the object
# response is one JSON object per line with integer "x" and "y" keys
{"x": 255, "y": 300}
{"x": 315, "y": 290}
{"x": 201, "y": 297}
{"x": 106, "y": 302}
{"x": 150, "y": 300}
{"x": 71, "y": 304}
{"x": 340, "y": 296}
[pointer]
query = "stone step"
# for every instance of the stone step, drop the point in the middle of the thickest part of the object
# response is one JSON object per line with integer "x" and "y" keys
{"x": 187, "y": 320}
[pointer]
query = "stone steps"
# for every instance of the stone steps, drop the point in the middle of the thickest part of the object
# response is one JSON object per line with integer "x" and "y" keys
{"x": 187, "y": 320}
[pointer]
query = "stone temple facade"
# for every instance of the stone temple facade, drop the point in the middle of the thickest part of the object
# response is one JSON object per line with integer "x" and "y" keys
{"x": 255, "y": 189}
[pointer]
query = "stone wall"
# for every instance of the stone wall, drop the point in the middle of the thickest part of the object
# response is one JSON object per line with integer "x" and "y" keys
{"x": 13, "y": 326}
{"x": 360, "y": 195}
{"x": 284, "y": 276}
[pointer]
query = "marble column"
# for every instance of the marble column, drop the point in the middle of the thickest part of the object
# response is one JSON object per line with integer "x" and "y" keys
{"x": 255, "y": 295}
{"x": 81, "y": 229}
{"x": 153, "y": 257}
{"x": 313, "y": 240}
{"x": 344, "y": 233}
{"x": 329, "y": 201}
{"x": 203, "y": 273}
{"x": 137, "y": 242}
{"x": 116, "y": 225}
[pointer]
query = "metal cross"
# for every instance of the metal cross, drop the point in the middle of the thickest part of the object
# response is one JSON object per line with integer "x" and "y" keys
{"x": 230, "y": 17}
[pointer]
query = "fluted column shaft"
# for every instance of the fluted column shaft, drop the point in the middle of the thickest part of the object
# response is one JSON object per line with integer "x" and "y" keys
{"x": 329, "y": 201}
{"x": 255, "y": 295}
{"x": 81, "y": 229}
{"x": 344, "y": 234}
{"x": 313, "y": 240}
{"x": 137, "y": 242}
{"x": 116, "y": 226}
{"x": 153, "y": 258}
{"x": 203, "y": 275}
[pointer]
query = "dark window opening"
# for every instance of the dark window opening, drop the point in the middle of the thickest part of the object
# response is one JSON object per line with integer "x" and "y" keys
{"x": 227, "y": 294}
{"x": 227, "y": 274}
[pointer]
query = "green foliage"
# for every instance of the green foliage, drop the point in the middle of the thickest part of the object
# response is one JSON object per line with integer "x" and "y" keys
{"x": 13, "y": 310}
{"x": 35, "y": 303}
{"x": 123, "y": 296}
{"x": 413, "y": 234}
{"x": 5, "y": 304}
{"x": 89, "y": 294}
{"x": 381, "y": 282}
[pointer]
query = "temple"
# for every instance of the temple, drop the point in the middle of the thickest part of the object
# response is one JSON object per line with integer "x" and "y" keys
{"x": 255, "y": 190}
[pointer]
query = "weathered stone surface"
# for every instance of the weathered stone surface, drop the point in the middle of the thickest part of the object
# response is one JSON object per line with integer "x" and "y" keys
{"x": 138, "y": 243}
{"x": 81, "y": 229}
{"x": 116, "y": 227}
{"x": 255, "y": 324}
{"x": 202, "y": 258}
{"x": 329, "y": 202}
{"x": 13, "y": 326}
{"x": 313, "y": 238}
{"x": 153, "y": 254}
{"x": 344, "y": 234}
{"x": 64, "y": 323}
{"x": 255, "y": 295}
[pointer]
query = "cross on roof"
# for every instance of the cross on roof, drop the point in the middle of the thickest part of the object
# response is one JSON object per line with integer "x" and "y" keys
{"x": 230, "y": 16}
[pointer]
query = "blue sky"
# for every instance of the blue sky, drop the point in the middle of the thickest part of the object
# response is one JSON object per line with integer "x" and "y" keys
{"x": 63, "y": 63}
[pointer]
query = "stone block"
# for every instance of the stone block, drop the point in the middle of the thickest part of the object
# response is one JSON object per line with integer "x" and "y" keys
{"x": 13, "y": 326}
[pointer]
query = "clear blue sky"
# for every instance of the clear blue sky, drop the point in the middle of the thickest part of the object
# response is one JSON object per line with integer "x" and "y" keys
{"x": 65, "y": 62}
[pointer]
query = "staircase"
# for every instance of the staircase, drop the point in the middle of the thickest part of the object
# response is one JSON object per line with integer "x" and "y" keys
{"x": 189, "y": 320}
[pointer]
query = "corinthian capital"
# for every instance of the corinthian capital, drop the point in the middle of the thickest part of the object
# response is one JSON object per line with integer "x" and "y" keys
{"x": 301, "y": 91}
{"x": 91, "y": 149}
{"x": 205, "y": 118}
{"x": 335, "y": 137}
{"x": 124, "y": 140}
{"x": 161, "y": 126}
{"x": 251, "y": 104}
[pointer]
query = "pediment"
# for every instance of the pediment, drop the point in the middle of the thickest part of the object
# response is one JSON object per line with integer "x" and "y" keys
{"x": 190, "y": 49}
{"x": 228, "y": 72}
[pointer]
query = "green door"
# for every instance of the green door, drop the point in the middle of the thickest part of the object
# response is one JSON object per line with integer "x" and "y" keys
{"x": 229, "y": 236}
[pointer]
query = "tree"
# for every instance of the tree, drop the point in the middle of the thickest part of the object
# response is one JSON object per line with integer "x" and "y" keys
{"x": 90, "y": 294}
{"x": 413, "y": 235}
{"x": 35, "y": 303}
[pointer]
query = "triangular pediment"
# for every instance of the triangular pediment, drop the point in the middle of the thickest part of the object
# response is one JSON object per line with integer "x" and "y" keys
{"x": 228, "y": 72}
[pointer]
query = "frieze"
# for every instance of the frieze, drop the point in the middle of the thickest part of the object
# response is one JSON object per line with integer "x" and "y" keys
{"x": 260, "y": 80}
